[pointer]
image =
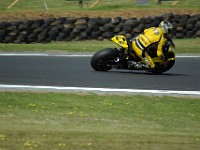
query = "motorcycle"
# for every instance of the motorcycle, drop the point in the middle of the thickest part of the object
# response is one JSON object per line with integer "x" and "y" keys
{"x": 125, "y": 57}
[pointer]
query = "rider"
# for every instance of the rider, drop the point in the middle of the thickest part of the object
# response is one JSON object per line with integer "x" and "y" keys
{"x": 151, "y": 42}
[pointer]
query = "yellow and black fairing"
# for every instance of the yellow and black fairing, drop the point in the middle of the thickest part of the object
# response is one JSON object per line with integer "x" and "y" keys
{"x": 153, "y": 55}
{"x": 126, "y": 44}
{"x": 168, "y": 52}
{"x": 121, "y": 41}
{"x": 163, "y": 65}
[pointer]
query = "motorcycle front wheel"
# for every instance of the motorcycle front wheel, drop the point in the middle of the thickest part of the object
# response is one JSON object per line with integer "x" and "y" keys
{"x": 160, "y": 69}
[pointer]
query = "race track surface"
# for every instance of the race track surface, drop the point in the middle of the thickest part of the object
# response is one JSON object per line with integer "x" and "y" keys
{"x": 66, "y": 71}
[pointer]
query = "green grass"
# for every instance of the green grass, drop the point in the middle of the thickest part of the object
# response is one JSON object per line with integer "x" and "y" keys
{"x": 63, "y": 5}
{"x": 182, "y": 46}
{"x": 73, "y": 46}
{"x": 187, "y": 45}
{"x": 98, "y": 122}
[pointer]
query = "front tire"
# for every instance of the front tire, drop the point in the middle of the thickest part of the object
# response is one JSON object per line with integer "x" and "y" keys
{"x": 160, "y": 69}
{"x": 104, "y": 59}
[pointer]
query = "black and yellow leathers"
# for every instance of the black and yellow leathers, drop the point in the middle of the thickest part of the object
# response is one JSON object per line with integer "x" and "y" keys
{"x": 143, "y": 42}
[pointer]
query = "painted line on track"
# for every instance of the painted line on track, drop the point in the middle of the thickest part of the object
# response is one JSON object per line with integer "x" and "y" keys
{"x": 73, "y": 55}
{"x": 45, "y": 55}
{"x": 91, "y": 89}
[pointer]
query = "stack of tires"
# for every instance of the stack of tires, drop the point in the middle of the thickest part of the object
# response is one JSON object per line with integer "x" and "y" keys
{"x": 68, "y": 29}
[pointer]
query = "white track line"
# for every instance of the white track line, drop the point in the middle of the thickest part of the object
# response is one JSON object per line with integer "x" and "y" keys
{"x": 90, "y": 89}
{"x": 44, "y": 55}
{"x": 73, "y": 55}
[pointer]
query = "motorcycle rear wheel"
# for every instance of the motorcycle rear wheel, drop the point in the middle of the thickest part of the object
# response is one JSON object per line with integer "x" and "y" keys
{"x": 104, "y": 59}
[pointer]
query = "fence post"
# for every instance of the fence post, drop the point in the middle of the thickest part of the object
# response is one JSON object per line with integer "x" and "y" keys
{"x": 46, "y": 6}
{"x": 142, "y": 2}
{"x": 13, "y": 3}
{"x": 80, "y": 2}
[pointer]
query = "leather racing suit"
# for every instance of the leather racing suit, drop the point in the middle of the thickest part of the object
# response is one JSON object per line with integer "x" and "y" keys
{"x": 149, "y": 42}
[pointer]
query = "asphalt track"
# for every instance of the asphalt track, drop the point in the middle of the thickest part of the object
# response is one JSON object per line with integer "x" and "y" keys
{"x": 69, "y": 72}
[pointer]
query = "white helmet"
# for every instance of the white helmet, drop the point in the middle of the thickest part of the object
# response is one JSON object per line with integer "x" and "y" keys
{"x": 166, "y": 26}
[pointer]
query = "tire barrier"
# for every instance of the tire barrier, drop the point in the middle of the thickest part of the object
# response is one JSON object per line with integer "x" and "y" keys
{"x": 68, "y": 29}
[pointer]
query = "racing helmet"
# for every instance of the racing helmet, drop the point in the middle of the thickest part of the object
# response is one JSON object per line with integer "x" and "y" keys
{"x": 166, "y": 26}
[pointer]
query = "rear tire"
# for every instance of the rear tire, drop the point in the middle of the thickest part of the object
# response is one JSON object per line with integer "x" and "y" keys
{"x": 104, "y": 59}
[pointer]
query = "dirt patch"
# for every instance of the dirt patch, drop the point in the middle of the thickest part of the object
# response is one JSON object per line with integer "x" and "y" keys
{"x": 138, "y": 13}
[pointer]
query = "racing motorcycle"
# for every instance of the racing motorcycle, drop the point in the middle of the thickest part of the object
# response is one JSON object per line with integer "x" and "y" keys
{"x": 125, "y": 57}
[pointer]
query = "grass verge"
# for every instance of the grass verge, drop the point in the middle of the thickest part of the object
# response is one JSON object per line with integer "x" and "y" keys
{"x": 65, "y": 5}
{"x": 96, "y": 122}
{"x": 182, "y": 46}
